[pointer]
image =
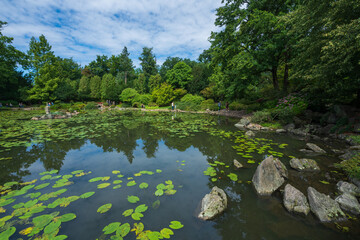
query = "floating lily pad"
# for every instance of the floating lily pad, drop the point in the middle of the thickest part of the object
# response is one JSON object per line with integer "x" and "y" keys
{"x": 137, "y": 216}
{"x": 41, "y": 186}
{"x": 176, "y": 225}
{"x": 143, "y": 185}
{"x": 104, "y": 208}
{"x": 112, "y": 227}
{"x": 160, "y": 186}
{"x": 87, "y": 195}
{"x": 103, "y": 185}
{"x": 166, "y": 232}
{"x": 117, "y": 186}
{"x": 128, "y": 212}
{"x": 26, "y": 231}
{"x": 233, "y": 176}
{"x": 131, "y": 183}
{"x": 117, "y": 181}
{"x": 138, "y": 228}
{"x": 159, "y": 192}
{"x": 95, "y": 179}
{"x": 158, "y": 170}
{"x": 115, "y": 172}
{"x": 141, "y": 208}
{"x": 133, "y": 199}
{"x": 66, "y": 217}
{"x": 5, "y": 235}
{"x": 156, "y": 204}
{"x": 4, "y": 202}
{"x": 46, "y": 177}
{"x": 123, "y": 230}
{"x": 43, "y": 220}
{"x": 77, "y": 172}
{"x": 52, "y": 227}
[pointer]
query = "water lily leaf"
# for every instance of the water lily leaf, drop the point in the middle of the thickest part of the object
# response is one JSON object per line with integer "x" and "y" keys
{"x": 123, "y": 230}
{"x": 2, "y": 210}
{"x": 112, "y": 227}
{"x": 233, "y": 176}
{"x": 137, "y": 174}
{"x": 10, "y": 184}
{"x": 41, "y": 186}
{"x": 53, "y": 171}
{"x": 166, "y": 232}
{"x": 46, "y": 177}
{"x": 95, "y": 179}
{"x": 176, "y": 225}
{"x": 143, "y": 185}
{"x": 18, "y": 205}
{"x": 141, "y": 208}
{"x": 120, "y": 176}
{"x": 4, "y": 202}
{"x": 42, "y": 221}
{"x": 87, "y": 195}
{"x": 213, "y": 179}
{"x": 60, "y": 237}
{"x": 131, "y": 183}
{"x": 52, "y": 227}
{"x": 5, "y": 235}
{"x": 115, "y": 172}
{"x": 66, "y": 217}
{"x": 158, "y": 171}
{"x": 156, "y": 204}
{"x": 116, "y": 237}
{"x": 160, "y": 186}
{"x": 169, "y": 182}
{"x": 117, "y": 181}
{"x": 30, "y": 203}
{"x": 27, "y": 187}
{"x": 26, "y": 231}
{"x": 251, "y": 161}
{"x": 77, "y": 172}
{"x": 133, "y": 199}
{"x": 105, "y": 178}
{"x": 36, "y": 209}
{"x": 117, "y": 186}
{"x": 104, "y": 208}
{"x": 159, "y": 192}
{"x": 67, "y": 176}
{"x": 138, "y": 228}
{"x": 324, "y": 182}
{"x": 170, "y": 192}
{"x": 103, "y": 185}
{"x": 128, "y": 212}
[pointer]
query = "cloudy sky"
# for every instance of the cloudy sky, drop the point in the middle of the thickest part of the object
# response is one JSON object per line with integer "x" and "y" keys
{"x": 83, "y": 29}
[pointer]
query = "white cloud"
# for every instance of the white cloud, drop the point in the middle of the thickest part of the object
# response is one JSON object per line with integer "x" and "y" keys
{"x": 83, "y": 29}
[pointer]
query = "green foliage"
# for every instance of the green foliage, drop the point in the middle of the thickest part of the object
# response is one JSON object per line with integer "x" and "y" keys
{"x": 109, "y": 88}
{"x": 351, "y": 166}
{"x": 142, "y": 99}
{"x": 163, "y": 95}
{"x": 148, "y": 64}
{"x": 192, "y": 99}
{"x": 91, "y": 105}
{"x": 84, "y": 88}
{"x": 95, "y": 87}
{"x": 288, "y": 107}
{"x": 179, "y": 76}
{"x": 128, "y": 95}
{"x": 208, "y": 104}
{"x": 262, "y": 116}
{"x": 154, "y": 82}
{"x": 237, "y": 106}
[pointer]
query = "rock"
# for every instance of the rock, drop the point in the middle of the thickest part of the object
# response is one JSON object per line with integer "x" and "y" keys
{"x": 254, "y": 126}
{"x": 315, "y": 148}
{"x": 295, "y": 201}
{"x": 250, "y": 134}
{"x": 269, "y": 176}
{"x": 325, "y": 208}
{"x": 349, "y": 188}
{"x": 356, "y": 147}
{"x": 349, "y": 154}
{"x": 356, "y": 182}
{"x": 281, "y": 130}
{"x": 47, "y": 110}
{"x": 299, "y": 131}
{"x": 306, "y": 151}
{"x": 237, "y": 164}
{"x": 348, "y": 203}
{"x": 213, "y": 204}
{"x": 304, "y": 164}
{"x": 290, "y": 126}
{"x": 240, "y": 126}
{"x": 244, "y": 121}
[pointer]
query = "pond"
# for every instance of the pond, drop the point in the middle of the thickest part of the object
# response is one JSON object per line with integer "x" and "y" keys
{"x": 128, "y": 175}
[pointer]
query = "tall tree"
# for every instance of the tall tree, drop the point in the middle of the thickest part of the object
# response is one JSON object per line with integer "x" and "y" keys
{"x": 100, "y": 66}
{"x": 148, "y": 64}
{"x": 127, "y": 66}
{"x": 84, "y": 88}
{"x": 180, "y": 76}
{"x": 109, "y": 88}
{"x": 95, "y": 87}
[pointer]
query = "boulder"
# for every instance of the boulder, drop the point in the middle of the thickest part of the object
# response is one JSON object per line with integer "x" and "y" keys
{"x": 240, "y": 126}
{"x": 250, "y": 134}
{"x": 348, "y": 203}
{"x": 290, "y": 126}
{"x": 295, "y": 201}
{"x": 281, "y": 131}
{"x": 213, "y": 204}
{"x": 349, "y": 188}
{"x": 237, "y": 164}
{"x": 315, "y": 148}
{"x": 269, "y": 176}
{"x": 304, "y": 164}
{"x": 306, "y": 151}
{"x": 356, "y": 182}
{"x": 244, "y": 121}
{"x": 325, "y": 208}
{"x": 254, "y": 126}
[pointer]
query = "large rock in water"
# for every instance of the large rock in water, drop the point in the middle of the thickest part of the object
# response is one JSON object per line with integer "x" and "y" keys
{"x": 349, "y": 203}
{"x": 315, "y": 148}
{"x": 269, "y": 176}
{"x": 304, "y": 164}
{"x": 295, "y": 201}
{"x": 213, "y": 204}
{"x": 345, "y": 187}
{"x": 325, "y": 208}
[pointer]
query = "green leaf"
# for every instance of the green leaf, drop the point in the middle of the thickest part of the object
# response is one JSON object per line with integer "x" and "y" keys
{"x": 117, "y": 186}
{"x": 115, "y": 172}
{"x": 158, "y": 170}
{"x": 10, "y": 184}
{"x": 143, "y": 185}
{"x": 95, "y": 179}
{"x": 30, "y": 203}
{"x": 52, "y": 227}
{"x": 169, "y": 182}
{"x": 43, "y": 220}
{"x": 159, "y": 192}
{"x": 46, "y": 177}
{"x": 128, "y": 212}
{"x": 123, "y": 230}
{"x": 4, "y": 202}
{"x": 18, "y": 205}
{"x": 137, "y": 216}
{"x": 60, "y": 237}
{"x": 233, "y": 176}
{"x": 7, "y": 233}
{"x": 112, "y": 227}
{"x": 104, "y": 208}
{"x": 141, "y": 208}
{"x": 86, "y": 195}
{"x": 156, "y": 204}
{"x": 176, "y": 225}
{"x": 41, "y": 186}
{"x": 160, "y": 186}
{"x": 117, "y": 181}
{"x": 77, "y": 172}
{"x": 131, "y": 183}
{"x": 103, "y": 185}
{"x": 166, "y": 232}
{"x": 324, "y": 182}
{"x": 67, "y": 217}
{"x": 133, "y": 199}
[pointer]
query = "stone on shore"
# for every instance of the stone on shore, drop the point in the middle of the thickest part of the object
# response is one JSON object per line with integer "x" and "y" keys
{"x": 346, "y": 187}
{"x": 213, "y": 204}
{"x": 269, "y": 176}
{"x": 295, "y": 201}
{"x": 325, "y": 208}
{"x": 304, "y": 164}
{"x": 250, "y": 134}
{"x": 315, "y": 148}
{"x": 348, "y": 203}
{"x": 237, "y": 164}
{"x": 280, "y": 131}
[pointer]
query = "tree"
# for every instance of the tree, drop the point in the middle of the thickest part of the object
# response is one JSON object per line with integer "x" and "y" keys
{"x": 168, "y": 65}
{"x": 109, "y": 88}
{"x": 66, "y": 90}
{"x": 95, "y": 87}
{"x": 100, "y": 66}
{"x": 140, "y": 83}
{"x": 128, "y": 94}
{"x": 201, "y": 73}
{"x": 154, "y": 82}
{"x": 163, "y": 95}
{"x": 84, "y": 88}
{"x": 126, "y": 66}
{"x": 148, "y": 64}
{"x": 179, "y": 76}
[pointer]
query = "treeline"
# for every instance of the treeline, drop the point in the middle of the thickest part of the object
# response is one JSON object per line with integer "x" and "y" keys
{"x": 265, "y": 50}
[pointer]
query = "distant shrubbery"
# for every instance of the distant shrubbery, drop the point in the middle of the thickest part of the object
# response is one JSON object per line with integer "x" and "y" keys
{"x": 91, "y": 105}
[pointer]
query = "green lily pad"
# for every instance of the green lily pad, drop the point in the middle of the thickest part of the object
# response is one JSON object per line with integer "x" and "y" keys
{"x": 137, "y": 216}
{"x": 117, "y": 181}
{"x": 60, "y": 237}
{"x": 159, "y": 192}
{"x": 87, "y": 195}
{"x": 5, "y": 235}
{"x": 18, "y": 205}
{"x": 233, "y": 176}
{"x": 123, "y": 230}
{"x": 158, "y": 170}
{"x": 128, "y": 212}
{"x": 176, "y": 225}
{"x": 4, "y": 202}
{"x": 143, "y": 185}
{"x": 131, "y": 183}
{"x": 133, "y": 199}
{"x": 141, "y": 208}
{"x": 103, "y": 185}
{"x": 52, "y": 227}
{"x": 166, "y": 232}
{"x": 117, "y": 186}
{"x": 95, "y": 179}
{"x": 66, "y": 217}
{"x": 77, "y": 172}
{"x": 10, "y": 184}
{"x": 104, "y": 208}
{"x": 112, "y": 227}
{"x": 46, "y": 177}
{"x": 43, "y": 220}
{"x": 115, "y": 172}
{"x": 30, "y": 203}
{"x": 156, "y": 204}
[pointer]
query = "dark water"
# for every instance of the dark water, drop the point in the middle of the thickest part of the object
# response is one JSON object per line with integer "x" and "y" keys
{"x": 132, "y": 143}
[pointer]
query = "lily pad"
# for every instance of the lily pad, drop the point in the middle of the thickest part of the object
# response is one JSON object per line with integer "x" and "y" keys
{"x": 143, "y": 185}
{"x": 233, "y": 176}
{"x": 112, "y": 227}
{"x": 131, "y": 183}
{"x": 52, "y": 227}
{"x": 41, "y": 186}
{"x": 141, "y": 208}
{"x": 156, "y": 204}
{"x": 117, "y": 181}
{"x": 5, "y": 235}
{"x": 128, "y": 212}
{"x": 166, "y": 232}
{"x": 137, "y": 216}
{"x": 103, "y": 185}
{"x": 43, "y": 220}
{"x": 87, "y": 195}
{"x": 115, "y": 172}
{"x": 66, "y": 217}
{"x": 176, "y": 225}
{"x": 133, "y": 199}
{"x": 104, "y": 208}
{"x": 159, "y": 192}
{"x": 123, "y": 230}
{"x": 117, "y": 186}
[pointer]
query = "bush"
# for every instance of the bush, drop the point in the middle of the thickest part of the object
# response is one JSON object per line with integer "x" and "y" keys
{"x": 288, "y": 107}
{"x": 351, "y": 166}
{"x": 142, "y": 98}
{"x": 262, "y": 116}
{"x": 152, "y": 104}
{"x": 91, "y": 105}
{"x": 163, "y": 95}
{"x": 253, "y": 107}
{"x": 237, "y": 106}
{"x": 128, "y": 94}
{"x": 188, "y": 106}
{"x": 105, "y": 104}
{"x": 208, "y": 104}
{"x": 192, "y": 99}
{"x": 136, "y": 104}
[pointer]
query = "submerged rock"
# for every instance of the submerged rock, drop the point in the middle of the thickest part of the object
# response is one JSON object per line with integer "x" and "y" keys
{"x": 304, "y": 164}
{"x": 349, "y": 188}
{"x": 269, "y": 176}
{"x": 237, "y": 164}
{"x": 325, "y": 208}
{"x": 295, "y": 201}
{"x": 349, "y": 203}
{"x": 315, "y": 148}
{"x": 250, "y": 134}
{"x": 213, "y": 204}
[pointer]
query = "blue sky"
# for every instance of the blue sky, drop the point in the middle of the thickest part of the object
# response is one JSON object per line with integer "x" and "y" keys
{"x": 83, "y": 29}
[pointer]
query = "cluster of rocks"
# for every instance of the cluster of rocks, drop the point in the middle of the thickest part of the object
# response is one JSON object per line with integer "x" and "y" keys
{"x": 271, "y": 174}
{"x": 49, "y": 115}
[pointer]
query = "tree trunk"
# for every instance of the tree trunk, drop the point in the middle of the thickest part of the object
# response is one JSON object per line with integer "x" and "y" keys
{"x": 286, "y": 72}
{"x": 275, "y": 78}
{"x": 125, "y": 77}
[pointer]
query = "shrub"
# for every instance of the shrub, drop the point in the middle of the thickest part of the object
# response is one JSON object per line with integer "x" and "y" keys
{"x": 288, "y": 107}
{"x": 208, "y": 104}
{"x": 179, "y": 93}
{"x": 188, "y": 106}
{"x": 262, "y": 116}
{"x": 351, "y": 166}
{"x": 128, "y": 94}
{"x": 192, "y": 99}
{"x": 142, "y": 98}
{"x": 152, "y": 104}
{"x": 91, "y": 105}
{"x": 105, "y": 104}
{"x": 237, "y": 106}
{"x": 253, "y": 107}
{"x": 136, "y": 104}
{"x": 163, "y": 95}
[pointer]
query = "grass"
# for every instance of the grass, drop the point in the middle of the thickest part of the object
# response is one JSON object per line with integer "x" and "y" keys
{"x": 351, "y": 166}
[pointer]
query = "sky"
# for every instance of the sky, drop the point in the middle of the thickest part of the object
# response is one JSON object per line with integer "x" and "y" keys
{"x": 82, "y": 29}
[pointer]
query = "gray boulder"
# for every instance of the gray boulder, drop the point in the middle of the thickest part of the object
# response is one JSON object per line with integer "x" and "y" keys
{"x": 244, "y": 121}
{"x": 356, "y": 182}
{"x": 315, "y": 148}
{"x": 213, "y": 204}
{"x": 281, "y": 131}
{"x": 348, "y": 203}
{"x": 295, "y": 201}
{"x": 349, "y": 188}
{"x": 250, "y": 134}
{"x": 325, "y": 208}
{"x": 269, "y": 176}
{"x": 237, "y": 164}
{"x": 304, "y": 164}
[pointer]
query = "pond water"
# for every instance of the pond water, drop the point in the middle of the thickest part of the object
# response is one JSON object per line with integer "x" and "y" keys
{"x": 160, "y": 166}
